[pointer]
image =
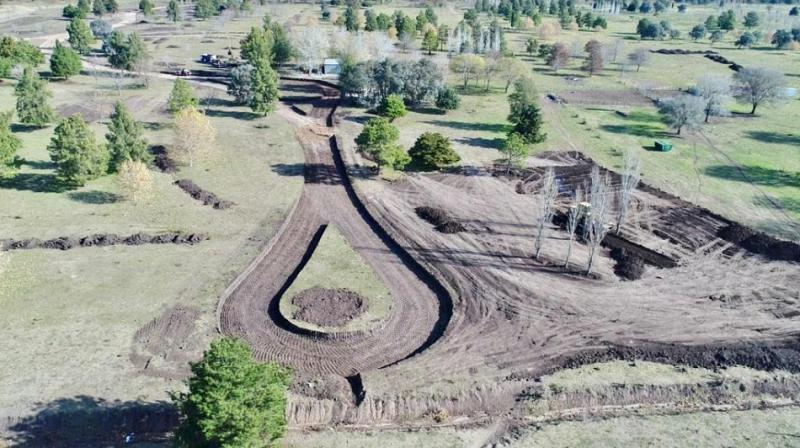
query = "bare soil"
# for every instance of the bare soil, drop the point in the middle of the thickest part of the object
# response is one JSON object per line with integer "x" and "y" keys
{"x": 103, "y": 239}
{"x": 204, "y": 196}
{"x": 328, "y": 307}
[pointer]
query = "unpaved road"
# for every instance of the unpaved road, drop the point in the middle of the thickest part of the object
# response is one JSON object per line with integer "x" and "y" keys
{"x": 250, "y": 311}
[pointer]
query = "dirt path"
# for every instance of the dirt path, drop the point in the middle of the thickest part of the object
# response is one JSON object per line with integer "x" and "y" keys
{"x": 250, "y": 309}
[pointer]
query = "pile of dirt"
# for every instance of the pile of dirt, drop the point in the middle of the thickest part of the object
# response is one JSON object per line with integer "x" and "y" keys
{"x": 206, "y": 197}
{"x": 103, "y": 239}
{"x": 681, "y": 51}
{"x": 162, "y": 160}
{"x": 328, "y": 307}
{"x": 629, "y": 266}
{"x": 723, "y": 60}
{"x": 441, "y": 220}
{"x": 760, "y": 243}
{"x": 164, "y": 346}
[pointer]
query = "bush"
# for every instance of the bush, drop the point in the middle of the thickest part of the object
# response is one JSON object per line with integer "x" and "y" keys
{"x": 432, "y": 151}
{"x": 392, "y": 107}
{"x": 64, "y": 62}
{"x": 448, "y": 99}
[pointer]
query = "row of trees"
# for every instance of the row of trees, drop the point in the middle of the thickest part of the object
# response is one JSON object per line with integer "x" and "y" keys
{"x": 378, "y": 140}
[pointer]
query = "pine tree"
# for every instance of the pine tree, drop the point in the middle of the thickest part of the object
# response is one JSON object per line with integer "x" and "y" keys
{"x": 430, "y": 42}
{"x": 77, "y": 156}
{"x": 33, "y": 100}
{"x": 80, "y": 36}
{"x": 84, "y": 7}
{"x": 9, "y": 143}
{"x": 264, "y": 85}
{"x": 124, "y": 139}
{"x": 146, "y": 7}
{"x": 173, "y": 11}
{"x": 64, "y": 62}
{"x": 256, "y": 45}
{"x": 182, "y": 97}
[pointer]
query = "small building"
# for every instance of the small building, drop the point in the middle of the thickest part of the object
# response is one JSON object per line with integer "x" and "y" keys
{"x": 331, "y": 67}
{"x": 663, "y": 146}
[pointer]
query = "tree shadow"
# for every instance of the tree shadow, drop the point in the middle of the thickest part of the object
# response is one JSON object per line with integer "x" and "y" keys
{"x": 489, "y": 143}
{"x": 19, "y": 127}
{"x": 786, "y": 203}
{"x": 88, "y": 421}
{"x": 639, "y": 130}
{"x": 779, "y": 138}
{"x": 217, "y": 102}
{"x": 467, "y": 126}
{"x": 239, "y": 115}
{"x": 39, "y": 183}
{"x": 289, "y": 169}
{"x": 38, "y": 164}
{"x": 155, "y": 125}
{"x": 428, "y": 110}
{"x": 755, "y": 174}
{"x": 94, "y": 197}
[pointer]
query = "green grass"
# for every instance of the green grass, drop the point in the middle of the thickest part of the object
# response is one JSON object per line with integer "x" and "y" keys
{"x": 335, "y": 264}
{"x": 69, "y": 317}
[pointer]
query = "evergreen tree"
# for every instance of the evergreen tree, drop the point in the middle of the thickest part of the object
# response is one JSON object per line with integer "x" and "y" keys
{"x": 203, "y": 9}
{"x": 9, "y": 143}
{"x": 264, "y": 85}
{"x": 392, "y": 107}
{"x": 351, "y": 18}
{"x": 182, "y": 97}
{"x": 126, "y": 52}
{"x": 64, "y": 62}
{"x": 124, "y": 139}
{"x": 432, "y": 151}
{"x": 232, "y": 400}
{"x": 146, "y": 7}
{"x": 84, "y": 7}
{"x": 173, "y": 11}
{"x": 281, "y": 44}
{"x": 529, "y": 123}
{"x": 256, "y": 45}
{"x": 98, "y": 7}
{"x": 430, "y": 42}
{"x": 33, "y": 100}
{"x": 80, "y": 36}
{"x": 370, "y": 21}
{"x": 77, "y": 156}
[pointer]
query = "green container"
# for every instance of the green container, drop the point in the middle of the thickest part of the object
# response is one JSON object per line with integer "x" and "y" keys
{"x": 663, "y": 146}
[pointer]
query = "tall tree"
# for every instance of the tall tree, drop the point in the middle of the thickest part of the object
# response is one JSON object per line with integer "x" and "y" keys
{"x": 126, "y": 52}
{"x": 80, "y": 36}
{"x": 264, "y": 86}
{"x": 241, "y": 83}
{"x": 146, "y": 7}
{"x": 629, "y": 181}
{"x": 430, "y": 42}
{"x": 378, "y": 139}
{"x": 759, "y": 85}
{"x": 232, "y": 400}
{"x": 639, "y": 57}
{"x": 124, "y": 138}
{"x": 75, "y": 152}
{"x": 514, "y": 150}
{"x": 282, "y": 50}
{"x": 182, "y": 97}
{"x": 574, "y": 215}
{"x": 173, "y": 11}
{"x": 135, "y": 181}
{"x": 194, "y": 134}
{"x": 9, "y": 143}
{"x": 351, "y": 18}
{"x": 257, "y": 45}
{"x": 594, "y": 60}
{"x": 558, "y": 57}
{"x": 64, "y": 62}
{"x": 683, "y": 111}
{"x": 595, "y": 223}
{"x": 714, "y": 90}
{"x": 33, "y": 100}
{"x": 545, "y": 200}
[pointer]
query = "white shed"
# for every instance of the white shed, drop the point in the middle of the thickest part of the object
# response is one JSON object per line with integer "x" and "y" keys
{"x": 331, "y": 67}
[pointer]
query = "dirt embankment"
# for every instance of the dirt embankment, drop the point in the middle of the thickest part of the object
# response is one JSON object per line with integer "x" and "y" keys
{"x": 204, "y": 196}
{"x": 103, "y": 239}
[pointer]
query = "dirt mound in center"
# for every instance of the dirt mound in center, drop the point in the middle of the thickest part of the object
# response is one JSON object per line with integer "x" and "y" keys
{"x": 328, "y": 307}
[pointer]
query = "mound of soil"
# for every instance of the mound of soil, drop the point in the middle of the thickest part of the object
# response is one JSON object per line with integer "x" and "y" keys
{"x": 629, "y": 266}
{"x": 760, "y": 243}
{"x": 103, "y": 239}
{"x": 206, "y": 197}
{"x": 162, "y": 160}
{"x": 328, "y": 307}
{"x": 433, "y": 215}
{"x": 451, "y": 227}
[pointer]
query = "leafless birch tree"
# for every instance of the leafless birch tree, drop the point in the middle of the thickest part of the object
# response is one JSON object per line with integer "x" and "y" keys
{"x": 544, "y": 204}
{"x": 573, "y": 218}
{"x": 630, "y": 179}
{"x": 598, "y": 214}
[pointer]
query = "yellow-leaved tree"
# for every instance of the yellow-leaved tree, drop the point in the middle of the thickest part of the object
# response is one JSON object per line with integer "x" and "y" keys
{"x": 194, "y": 135}
{"x": 135, "y": 181}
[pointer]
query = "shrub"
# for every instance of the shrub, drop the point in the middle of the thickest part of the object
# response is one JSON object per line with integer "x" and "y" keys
{"x": 392, "y": 107}
{"x": 447, "y": 99}
{"x": 432, "y": 151}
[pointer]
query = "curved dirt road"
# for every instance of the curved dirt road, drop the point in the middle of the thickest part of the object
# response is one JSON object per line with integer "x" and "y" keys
{"x": 250, "y": 309}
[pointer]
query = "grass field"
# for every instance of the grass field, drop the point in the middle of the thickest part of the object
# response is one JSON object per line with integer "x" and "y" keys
{"x": 69, "y": 317}
{"x": 334, "y": 265}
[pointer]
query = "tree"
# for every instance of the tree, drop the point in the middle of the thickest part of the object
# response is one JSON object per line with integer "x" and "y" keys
{"x": 9, "y": 143}
{"x": 514, "y": 150}
{"x": 698, "y": 32}
{"x": 430, "y": 42}
{"x": 126, "y": 52}
{"x": 135, "y": 181}
{"x": 64, "y": 62}
{"x": 146, "y": 7}
{"x": 795, "y": 11}
{"x": 80, "y": 36}
{"x": 714, "y": 90}
{"x": 124, "y": 139}
{"x": 594, "y": 60}
{"x": 648, "y": 29}
{"x": 558, "y": 57}
{"x": 759, "y": 85}
{"x": 432, "y": 151}
{"x": 528, "y": 123}
{"x": 684, "y": 111}
{"x": 531, "y": 45}
{"x": 256, "y": 45}
{"x": 752, "y": 19}
{"x": 204, "y": 9}
{"x": 264, "y": 85}
{"x": 639, "y": 57}
{"x": 232, "y": 400}
{"x": 717, "y": 36}
{"x": 194, "y": 134}
{"x": 545, "y": 199}
{"x": 281, "y": 45}
{"x": 512, "y": 69}
{"x": 182, "y": 97}
{"x": 77, "y": 156}
{"x": 351, "y": 18}
{"x": 311, "y": 46}
{"x": 574, "y": 215}
{"x": 33, "y": 106}
{"x": 628, "y": 182}
{"x": 378, "y": 140}
{"x": 392, "y": 107}
{"x": 72, "y": 12}
{"x": 100, "y": 29}
{"x": 173, "y": 11}
{"x": 595, "y": 222}
{"x": 727, "y": 20}
{"x": 447, "y": 99}
{"x": 782, "y": 39}
{"x": 241, "y": 85}
{"x": 98, "y": 7}
{"x": 746, "y": 40}
{"x": 467, "y": 65}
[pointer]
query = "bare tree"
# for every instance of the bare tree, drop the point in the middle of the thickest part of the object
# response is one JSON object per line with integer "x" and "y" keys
{"x": 310, "y": 46}
{"x": 683, "y": 111}
{"x": 759, "y": 85}
{"x": 630, "y": 179}
{"x": 544, "y": 204}
{"x": 639, "y": 57}
{"x": 714, "y": 90}
{"x": 574, "y": 215}
{"x": 598, "y": 214}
